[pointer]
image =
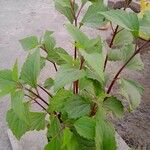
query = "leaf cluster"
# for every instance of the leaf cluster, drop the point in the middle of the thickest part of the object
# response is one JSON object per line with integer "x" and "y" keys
{"x": 80, "y": 97}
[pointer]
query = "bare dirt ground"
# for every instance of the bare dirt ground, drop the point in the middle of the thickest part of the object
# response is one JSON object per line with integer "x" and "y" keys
{"x": 27, "y": 17}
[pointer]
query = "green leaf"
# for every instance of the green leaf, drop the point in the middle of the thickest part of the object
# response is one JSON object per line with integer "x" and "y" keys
{"x": 54, "y": 129}
{"x": 7, "y": 84}
{"x": 67, "y": 58}
{"x": 132, "y": 91}
{"x": 64, "y": 8}
{"x": 136, "y": 63}
{"x": 37, "y": 121}
{"x": 48, "y": 83}
{"x": 42, "y": 62}
{"x": 54, "y": 144}
{"x": 121, "y": 54}
{"x": 67, "y": 136}
{"x": 56, "y": 55}
{"x": 124, "y": 54}
{"x": 72, "y": 144}
{"x": 85, "y": 127}
{"x": 104, "y": 135}
{"x": 29, "y": 43}
{"x": 96, "y": 62}
{"x": 54, "y": 134}
{"x": 76, "y": 107}
{"x": 5, "y": 91}
{"x": 31, "y": 69}
{"x": 91, "y": 50}
{"x": 113, "y": 104}
{"x": 18, "y": 106}
{"x": 84, "y": 1}
{"x": 15, "y": 72}
{"x": 17, "y": 126}
{"x": 48, "y": 42}
{"x": 67, "y": 74}
{"x": 83, "y": 143}
{"x": 58, "y": 101}
{"x": 81, "y": 39}
{"x": 92, "y": 16}
{"x": 124, "y": 37}
{"x": 47, "y": 34}
{"x": 144, "y": 26}
{"x": 124, "y": 19}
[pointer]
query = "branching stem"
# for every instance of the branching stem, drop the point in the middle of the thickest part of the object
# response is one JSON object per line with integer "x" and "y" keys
{"x": 38, "y": 96}
{"x": 45, "y": 90}
{"x": 111, "y": 44}
{"x": 72, "y": 3}
{"x": 121, "y": 69}
{"x": 34, "y": 99}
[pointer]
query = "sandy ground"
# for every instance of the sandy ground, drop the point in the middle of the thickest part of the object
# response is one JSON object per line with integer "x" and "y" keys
{"x": 21, "y": 18}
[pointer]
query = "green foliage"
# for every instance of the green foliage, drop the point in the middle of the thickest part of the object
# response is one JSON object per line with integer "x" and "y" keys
{"x": 15, "y": 76}
{"x": 123, "y": 37}
{"x": 144, "y": 26}
{"x": 124, "y": 54}
{"x": 7, "y": 84}
{"x": 58, "y": 101}
{"x": 124, "y": 19}
{"x": 31, "y": 69}
{"x": 67, "y": 137}
{"x": 93, "y": 17}
{"x": 29, "y": 43}
{"x": 18, "y": 105}
{"x": 85, "y": 127}
{"x": 17, "y": 126}
{"x": 67, "y": 74}
{"x": 48, "y": 83}
{"x": 132, "y": 91}
{"x": 113, "y": 104}
{"x": 54, "y": 134}
{"x": 56, "y": 55}
{"x": 65, "y": 8}
{"x": 37, "y": 121}
{"x": 25, "y": 121}
{"x": 76, "y": 107}
{"x": 104, "y": 134}
{"x": 79, "y": 96}
{"x": 81, "y": 39}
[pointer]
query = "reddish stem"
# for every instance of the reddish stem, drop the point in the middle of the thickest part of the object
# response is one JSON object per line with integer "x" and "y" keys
{"x": 78, "y": 14}
{"x": 120, "y": 70}
{"x": 38, "y": 96}
{"x": 111, "y": 44}
{"x": 45, "y": 90}
{"x": 37, "y": 103}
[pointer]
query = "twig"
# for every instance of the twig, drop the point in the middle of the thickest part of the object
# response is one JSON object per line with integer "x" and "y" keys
{"x": 111, "y": 44}
{"x": 78, "y": 14}
{"x": 34, "y": 99}
{"x": 45, "y": 90}
{"x": 72, "y": 8}
{"x": 38, "y": 96}
{"x": 120, "y": 70}
{"x": 81, "y": 63}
